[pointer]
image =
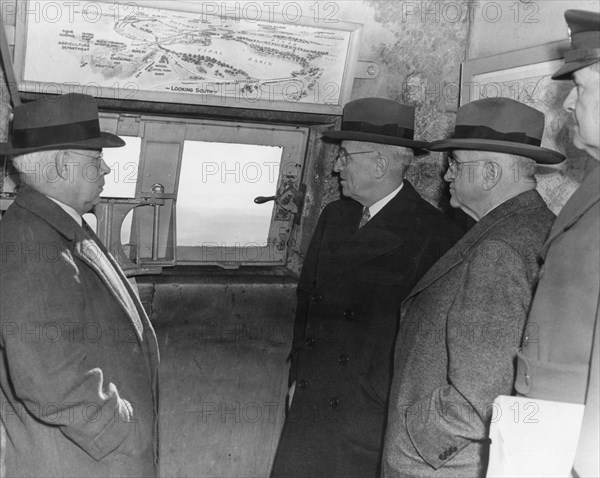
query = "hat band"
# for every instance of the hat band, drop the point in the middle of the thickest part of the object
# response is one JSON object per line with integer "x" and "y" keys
{"x": 58, "y": 134}
{"x": 485, "y": 132}
{"x": 582, "y": 54}
{"x": 390, "y": 129}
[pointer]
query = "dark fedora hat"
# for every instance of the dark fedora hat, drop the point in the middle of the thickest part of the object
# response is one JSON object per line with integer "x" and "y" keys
{"x": 584, "y": 33}
{"x": 501, "y": 125}
{"x": 377, "y": 120}
{"x": 65, "y": 122}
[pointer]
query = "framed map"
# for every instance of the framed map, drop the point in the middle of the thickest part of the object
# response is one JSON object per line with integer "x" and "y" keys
{"x": 525, "y": 76}
{"x": 237, "y": 54}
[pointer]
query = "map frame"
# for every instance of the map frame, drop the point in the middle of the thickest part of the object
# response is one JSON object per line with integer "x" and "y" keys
{"x": 327, "y": 97}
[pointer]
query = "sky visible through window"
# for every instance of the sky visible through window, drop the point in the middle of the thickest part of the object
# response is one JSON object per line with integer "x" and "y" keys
{"x": 217, "y": 186}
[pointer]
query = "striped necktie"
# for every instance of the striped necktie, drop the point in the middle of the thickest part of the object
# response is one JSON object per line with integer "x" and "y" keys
{"x": 366, "y": 215}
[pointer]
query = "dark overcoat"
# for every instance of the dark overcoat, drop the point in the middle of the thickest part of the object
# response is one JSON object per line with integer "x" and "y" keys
{"x": 560, "y": 360}
{"x": 460, "y": 330}
{"x": 78, "y": 355}
{"x": 350, "y": 290}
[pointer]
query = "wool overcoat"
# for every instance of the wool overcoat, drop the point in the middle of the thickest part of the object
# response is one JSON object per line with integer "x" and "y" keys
{"x": 460, "y": 330}
{"x": 78, "y": 355}
{"x": 560, "y": 360}
{"x": 350, "y": 290}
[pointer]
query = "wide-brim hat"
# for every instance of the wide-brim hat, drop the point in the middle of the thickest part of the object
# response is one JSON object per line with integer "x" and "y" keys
{"x": 377, "y": 120}
{"x": 500, "y": 125}
{"x": 65, "y": 122}
{"x": 584, "y": 33}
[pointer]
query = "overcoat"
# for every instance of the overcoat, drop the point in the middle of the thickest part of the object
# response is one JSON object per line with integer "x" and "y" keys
{"x": 349, "y": 294}
{"x": 559, "y": 360}
{"x": 460, "y": 330}
{"x": 78, "y": 355}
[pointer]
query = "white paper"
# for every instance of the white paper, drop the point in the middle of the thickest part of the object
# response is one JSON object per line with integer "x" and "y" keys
{"x": 533, "y": 438}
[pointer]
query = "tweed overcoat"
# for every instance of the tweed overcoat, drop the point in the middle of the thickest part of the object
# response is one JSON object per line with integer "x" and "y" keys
{"x": 560, "y": 360}
{"x": 78, "y": 355}
{"x": 460, "y": 329}
{"x": 349, "y": 294}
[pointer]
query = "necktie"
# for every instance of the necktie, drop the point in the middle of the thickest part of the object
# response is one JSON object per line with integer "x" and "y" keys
{"x": 366, "y": 215}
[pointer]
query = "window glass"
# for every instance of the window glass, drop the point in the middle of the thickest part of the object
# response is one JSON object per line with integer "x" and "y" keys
{"x": 123, "y": 163}
{"x": 217, "y": 186}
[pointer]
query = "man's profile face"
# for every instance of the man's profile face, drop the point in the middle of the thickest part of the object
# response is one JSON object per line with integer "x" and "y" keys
{"x": 86, "y": 178}
{"x": 356, "y": 168}
{"x": 465, "y": 177}
{"x": 583, "y": 102}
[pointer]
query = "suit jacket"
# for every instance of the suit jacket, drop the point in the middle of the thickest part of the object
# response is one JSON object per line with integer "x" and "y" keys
{"x": 78, "y": 355}
{"x": 460, "y": 330}
{"x": 349, "y": 294}
{"x": 559, "y": 360}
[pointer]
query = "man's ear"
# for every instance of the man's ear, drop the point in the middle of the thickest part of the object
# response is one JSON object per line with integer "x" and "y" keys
{"x": 382, "y": 165}
{"x": 492, "y": 173}
{"x": 63, "y": 167}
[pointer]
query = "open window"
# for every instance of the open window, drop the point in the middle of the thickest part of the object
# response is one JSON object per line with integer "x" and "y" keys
{"x": 200, "y": 192}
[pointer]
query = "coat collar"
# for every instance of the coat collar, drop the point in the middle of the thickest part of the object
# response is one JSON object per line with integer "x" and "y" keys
{"x": 456, "y": 255}
{"x": 582, "y": 199}
{"x": 386, "y": 231}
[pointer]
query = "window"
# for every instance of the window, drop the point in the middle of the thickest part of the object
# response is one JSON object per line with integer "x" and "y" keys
{"x": 193, "y": 197}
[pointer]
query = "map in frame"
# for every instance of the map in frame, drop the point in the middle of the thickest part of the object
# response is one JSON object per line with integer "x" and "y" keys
{"x": 140, "y": 52}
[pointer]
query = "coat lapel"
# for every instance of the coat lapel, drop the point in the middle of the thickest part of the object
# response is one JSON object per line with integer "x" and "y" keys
{"x": 98, "y": 260}
{"x": 582, "y": 199}
{"x": 461, "y": 249}
{"x": 347, "y": 247}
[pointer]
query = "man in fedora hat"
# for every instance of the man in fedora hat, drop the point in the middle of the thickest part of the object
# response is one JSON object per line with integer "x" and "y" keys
{"x": 78, "y": 355}
{"x": 558, "y": 367}
{"x": 368, "y": 250}
{"x": 462, "y": 323}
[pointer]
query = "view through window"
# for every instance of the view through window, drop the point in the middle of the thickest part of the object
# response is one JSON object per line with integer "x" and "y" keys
{"x": 217, "y": 186}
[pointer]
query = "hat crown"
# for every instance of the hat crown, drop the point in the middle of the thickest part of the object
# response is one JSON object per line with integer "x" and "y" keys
{"x": 61, "y": 110}
{"x": 68, "y": 121}
{"x": 504, "y": 116}
{"x": 378, "y": 120}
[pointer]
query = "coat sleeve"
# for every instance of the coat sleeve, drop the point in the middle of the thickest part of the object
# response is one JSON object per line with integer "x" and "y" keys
{"x": 483, "y": 330}
{"x": 46, "y": 349}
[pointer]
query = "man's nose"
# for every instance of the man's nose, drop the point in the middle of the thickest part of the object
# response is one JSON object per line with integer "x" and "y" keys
{"x": 449, "y": 176}
{"x": 569, "y": 103}
{"x": 337, "y": 165}
{"x": 104, "y": 168}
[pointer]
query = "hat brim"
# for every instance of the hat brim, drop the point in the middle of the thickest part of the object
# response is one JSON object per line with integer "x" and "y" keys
{"x": 374, "y": 138}
{"x": 538, "y": 154}
{"x": 106, "y": 140}
{"x": 566, "y": 71}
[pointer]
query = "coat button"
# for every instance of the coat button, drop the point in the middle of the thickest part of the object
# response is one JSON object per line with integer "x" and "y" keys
{"x": 334, "y": 402}
{"x": 343, "y": 359}
{"x": 316, "y": 298}
{"x": 302, "y": 384}
{"x": 453, "y": 449}
{"x": 349, "y": 314}
{"x": 310, "y": 341}
{"x": 443, "y": 456}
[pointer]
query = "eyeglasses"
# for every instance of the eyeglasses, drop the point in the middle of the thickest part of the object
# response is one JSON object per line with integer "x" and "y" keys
{"x": 344, "y": 156}
{"x": 99, "y": 158}
{"x": 454, "y": 165}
